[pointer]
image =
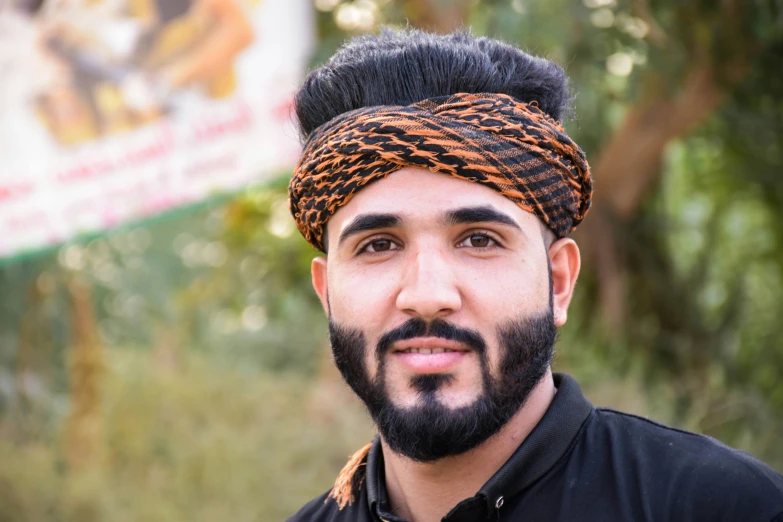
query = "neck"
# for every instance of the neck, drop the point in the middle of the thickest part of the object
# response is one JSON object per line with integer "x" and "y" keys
{"x": 426, "y": 492}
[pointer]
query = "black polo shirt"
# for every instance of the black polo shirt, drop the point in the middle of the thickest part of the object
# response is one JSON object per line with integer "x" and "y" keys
{"x": 582, "y": 463}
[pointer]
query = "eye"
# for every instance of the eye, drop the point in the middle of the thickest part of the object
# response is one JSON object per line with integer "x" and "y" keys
{"x": 478, "y": 240}
{"x": 379, "y": 246}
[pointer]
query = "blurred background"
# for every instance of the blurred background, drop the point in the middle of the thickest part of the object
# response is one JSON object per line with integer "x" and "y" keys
{"x": 162, "y": 355}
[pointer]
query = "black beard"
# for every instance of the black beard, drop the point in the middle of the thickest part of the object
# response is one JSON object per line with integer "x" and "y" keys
{"x": 431, "y": 431}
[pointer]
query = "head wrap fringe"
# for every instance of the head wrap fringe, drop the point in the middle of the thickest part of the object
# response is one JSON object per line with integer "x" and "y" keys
{"x": 509, "y": 146}
{"x": 349, "y": 481}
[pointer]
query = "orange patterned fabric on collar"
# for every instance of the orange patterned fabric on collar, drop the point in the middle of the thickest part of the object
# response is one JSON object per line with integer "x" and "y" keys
{"x": 491, "y": 139}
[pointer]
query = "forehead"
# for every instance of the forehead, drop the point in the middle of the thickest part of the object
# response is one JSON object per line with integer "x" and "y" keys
{"x": 421, "y": 196}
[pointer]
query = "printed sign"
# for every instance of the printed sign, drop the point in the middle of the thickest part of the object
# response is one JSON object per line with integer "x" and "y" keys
{"x": 115, "y": 110}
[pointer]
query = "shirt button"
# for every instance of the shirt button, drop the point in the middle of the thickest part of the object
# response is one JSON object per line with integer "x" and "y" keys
{"x": 499, "y": 502}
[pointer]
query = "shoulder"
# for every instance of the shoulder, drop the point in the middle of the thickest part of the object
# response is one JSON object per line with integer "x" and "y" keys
{"x": 700, "y": 477}
{"x": 326, "y": 509}
{"x": 347, "y": 500}
{"x": 319, "y": 509}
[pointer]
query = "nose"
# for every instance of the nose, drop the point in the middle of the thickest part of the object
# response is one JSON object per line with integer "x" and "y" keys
{"x": 429, "y": 287}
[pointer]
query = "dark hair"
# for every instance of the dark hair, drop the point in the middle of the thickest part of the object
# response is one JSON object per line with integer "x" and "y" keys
{"x": 407, "y": 66}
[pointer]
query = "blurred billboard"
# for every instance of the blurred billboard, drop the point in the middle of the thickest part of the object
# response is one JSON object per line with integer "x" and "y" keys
{"x": 116, "y": 110}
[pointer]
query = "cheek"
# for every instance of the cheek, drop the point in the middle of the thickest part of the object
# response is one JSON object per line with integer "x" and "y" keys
{"x": 505, "y": 289}
{"x": 362, "y": 298}
{"x": 499, "y": 291}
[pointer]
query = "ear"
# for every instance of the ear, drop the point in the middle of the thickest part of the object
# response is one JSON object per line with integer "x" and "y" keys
{"x": 565, "y": 261}
{"x": 318, "y": 274}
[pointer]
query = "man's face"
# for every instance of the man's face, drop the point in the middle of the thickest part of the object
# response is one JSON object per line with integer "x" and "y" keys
{"x": 441, "y": 313}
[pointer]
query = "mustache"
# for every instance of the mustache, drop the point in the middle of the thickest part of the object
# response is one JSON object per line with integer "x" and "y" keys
{"x": 417, "y": 327}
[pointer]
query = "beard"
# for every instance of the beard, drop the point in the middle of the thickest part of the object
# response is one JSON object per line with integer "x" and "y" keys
{"x": 431, "y": 431}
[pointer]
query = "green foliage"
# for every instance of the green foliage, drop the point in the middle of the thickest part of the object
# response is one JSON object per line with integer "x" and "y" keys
{"x": 199, "y": 439}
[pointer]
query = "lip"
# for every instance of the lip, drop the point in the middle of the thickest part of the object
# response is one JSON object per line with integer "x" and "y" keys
{"x": 429, "y": 343}
{"x": 424, "y": 363}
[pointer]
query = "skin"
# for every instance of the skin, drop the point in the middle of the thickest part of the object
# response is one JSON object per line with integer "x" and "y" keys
{"x": 473, "y": 274}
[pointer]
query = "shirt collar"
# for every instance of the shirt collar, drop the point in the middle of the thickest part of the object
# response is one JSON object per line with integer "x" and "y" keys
{"x": 537, "y": 454}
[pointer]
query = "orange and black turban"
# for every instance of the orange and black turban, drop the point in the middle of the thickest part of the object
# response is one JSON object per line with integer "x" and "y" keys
{"x": 492, "y": 139}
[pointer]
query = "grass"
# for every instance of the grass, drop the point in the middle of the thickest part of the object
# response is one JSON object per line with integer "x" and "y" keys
{"x": 193, "y": 440}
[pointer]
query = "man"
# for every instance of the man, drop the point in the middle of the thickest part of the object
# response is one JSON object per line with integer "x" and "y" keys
{"x": 438, "y": 180}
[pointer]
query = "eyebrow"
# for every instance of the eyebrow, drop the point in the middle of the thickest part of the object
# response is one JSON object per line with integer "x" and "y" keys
{"x": 366, "y": 222}
{"x": 483, "y": 214}
{"x": 459, "y": 216}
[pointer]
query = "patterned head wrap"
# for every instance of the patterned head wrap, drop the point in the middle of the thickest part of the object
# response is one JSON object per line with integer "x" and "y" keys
{"x": 492, "y": 139}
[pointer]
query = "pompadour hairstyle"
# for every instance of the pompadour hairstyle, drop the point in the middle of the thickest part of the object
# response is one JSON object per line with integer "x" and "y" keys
{"x": 408, "y": 66}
